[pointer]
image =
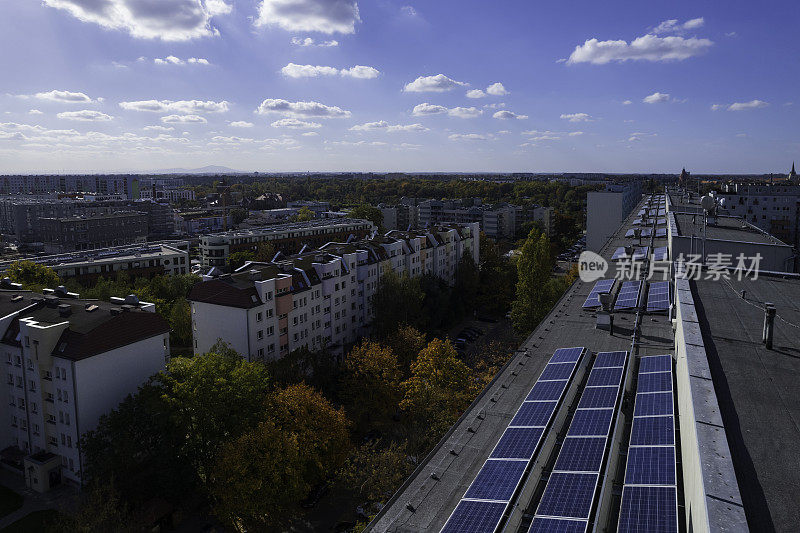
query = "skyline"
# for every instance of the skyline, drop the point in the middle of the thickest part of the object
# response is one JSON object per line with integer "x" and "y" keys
{"x": 335, "y": 85}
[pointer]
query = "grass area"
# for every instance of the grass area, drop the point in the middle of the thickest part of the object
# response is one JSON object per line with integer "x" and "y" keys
{"x": 10, "y": 501}
{"x": 36, "y": 521}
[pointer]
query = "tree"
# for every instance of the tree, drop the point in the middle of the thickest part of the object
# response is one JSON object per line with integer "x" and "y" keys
{"x": 99, "y": 511}
{"x": 397, "y": 301}
{"x": 304, "y": 214}
{"x": 496, "y": 279}
{"x": 371, "y": 386}
{"x": 239, "y": 215}
{"x": 439, "y": 389}
{"x": 180, "y": 322}
{"x": 368, "y": 212}
{"x": 32, "y": 275}
{"x": 374, "y": 472}
{"x": 237, "y": 259}
{"x": 258, "y": 478}
{"x": 437, "y": 315}
{"x": 265, "y": 252}
{"x": 213, "y": 398}
{"x": 465, "y": 289}
{"x": 321, "y": 429}
{"x": 534, "y": 290}
{"x": 406, "y": 342}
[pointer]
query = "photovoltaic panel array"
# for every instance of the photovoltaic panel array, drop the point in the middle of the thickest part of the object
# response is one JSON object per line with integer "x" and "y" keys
{"x": 660, "y": 254}
{"x": 661, "y": 232}
{"x": 628, "y": 297}
{"x": 568, "y": 497}
{"x": 650, "y": 495}
{"x": 489, "y": 495}
{"x": 600, "y": 287}
{"x": 638, "y": 253}
{"x": 658, "y": 298}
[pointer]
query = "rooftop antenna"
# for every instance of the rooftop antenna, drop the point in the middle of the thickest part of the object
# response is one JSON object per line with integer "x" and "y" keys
{"x": 707, "y": 203}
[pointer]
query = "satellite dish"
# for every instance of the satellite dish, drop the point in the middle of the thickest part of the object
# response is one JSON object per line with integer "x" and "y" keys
{"x": 722, "y": 202}
{"x": 707, "y": 203}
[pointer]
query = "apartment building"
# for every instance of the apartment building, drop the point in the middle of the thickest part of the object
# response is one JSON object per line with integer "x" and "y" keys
{"x": 775, "y": 208}
{"x": 321, "y": 298}
{"x": 90, "y": 231}
{"x": 287, "y": 238}
{"x": 605, "y": 211}
{"x": 498, "y": 221}
{"x": 167, "y": 194}
{"x": 145, "y": 261}
{"x": 127, "y": 185}
{"x": 68, "y": 361}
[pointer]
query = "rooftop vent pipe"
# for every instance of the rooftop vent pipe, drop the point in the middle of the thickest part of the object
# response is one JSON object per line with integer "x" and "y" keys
{"x": 769, "y": 325}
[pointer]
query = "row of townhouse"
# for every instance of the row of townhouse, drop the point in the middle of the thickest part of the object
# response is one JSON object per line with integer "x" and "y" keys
{"x": 68, "y": 361}
{"x": 321, "y": 298}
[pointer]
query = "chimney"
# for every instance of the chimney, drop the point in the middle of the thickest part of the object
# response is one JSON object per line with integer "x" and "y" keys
{"x": 64, "y": 310}
{"x": 769, "y": 325}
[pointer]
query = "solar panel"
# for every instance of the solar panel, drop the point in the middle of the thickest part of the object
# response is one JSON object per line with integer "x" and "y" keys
{"x": 474, "y": 517}
{"x": 601, "y": 377}
{"x": 628, "y": 297}
{"x": 547, "y": 390}
{"x": 557, "y": 371}
{"x": 568, "y": 495}
{"x": 619, "y": 253}
{"x": 653, "y": 431}
{"x": 517, "y": 443}
{"x": 568, "y": 355}
{"x": 579, "y": 454}
{"x": 657, "y": 403}
{"x": 591, "y": 422}
{"x": 608, "y": 359}
{"x": 650, "y": 465}
{"x": 602, "y": 286}
{"x": 660, "y": 254}
{"x": 533, "y": 414}
{"x": 661, "y": 232}
{"x": 655, "y": 363}
{"x": 641, "y": 253}
{"x": 497, "y": 480}
{"x": 655, "y": 382}
{"x": 555, "y": 525}
{"x": 649, "y": 510}
{"x": 598, "y": 397}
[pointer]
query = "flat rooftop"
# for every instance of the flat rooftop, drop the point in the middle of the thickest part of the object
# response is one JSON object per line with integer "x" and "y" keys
{"x": 723, "y": 228}
{"x": 567, "y": 325}
{"x": 757, "y": 390}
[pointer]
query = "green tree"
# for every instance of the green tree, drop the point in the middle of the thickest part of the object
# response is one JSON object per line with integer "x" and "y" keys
{"x": 32, "y": 275}
{"x": 100, "y": 510}
{"x": 238, "y": 259}
{"x": 265, "y": 252}
{"x": 368, "y": 212}
{"x": 374, "y": 471}
{"x": 496, "y": 279}
{"x": 534, "y": 290}
{"x": 239, "y": 215}
{"x": 371, "y": 386}
{"x": 304, "y": 214}
{"x": 465, "y": 289}
{"x": 439, "y": 389}
{"x": 397, "y": 301}
{"x": 258, "y": 479}
{"x": 212, "y": 399}
{"x": 180, "y": 322}
{"x": 406, "y": 342}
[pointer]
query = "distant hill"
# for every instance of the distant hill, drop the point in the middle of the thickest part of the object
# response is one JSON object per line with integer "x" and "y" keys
{"x": 210, "y": 169}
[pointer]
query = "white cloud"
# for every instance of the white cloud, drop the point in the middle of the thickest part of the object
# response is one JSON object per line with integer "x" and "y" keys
{"x": 66, "y": 97}
{"x": 241, "y": 124}
{"x": 673, "y": 26}
{"x": 180, "y": 106}
{"x": 638, "y": 136}
{"x": 656, "y": 98}
{"x": 465, "y": 112}
{"x": 547, "y": 135}
{"x": 496, "y": 89}
{"x": 309, "y": 134}
{"x": 358, "y": 143}
{"x": 35, "y": 112}
{"x": 308, "y": 41}
{"x": 433, "y": 84}
{"x": 505, "y": 115}
{"x": 497, "y": 105}
{"x": 300, "y": 109}
{"x": 627, "y": 102}
{"x": 645, "y": 48}
{"x": 693, "y": 24}
{"x": 425, "y": 109}
{"x": 324, "y": 16}
{"x": 745, "y": 106}
{"x": 183, "y": 119}
{"x": 85, "y": 115}
{"x": 409, "y": 11}
{"x": 575, "y": 133}
{"x": 475, "y": 93}
{"x": 169, "y": 20}
{"x": 295, "y": 124}
{"x": 158, "y": 128}
{"x": 293, "y": 70}
{"x": 717, "y": 107}
{"x": 172, "y": 60}
{"x": 467, "y": 137}
{"x": 577, "y": 117}
{"x": 382, "y": 125}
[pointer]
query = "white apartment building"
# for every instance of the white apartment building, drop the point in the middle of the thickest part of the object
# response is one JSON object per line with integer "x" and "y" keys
{"x": 605, "y": 211}
{"x": 321, "y": 298}
{"x": 68, "y": 361}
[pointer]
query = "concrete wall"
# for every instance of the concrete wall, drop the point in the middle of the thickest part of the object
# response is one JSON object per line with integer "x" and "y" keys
{"x": 711, "y": 492}
{"x": 604, "y": 214}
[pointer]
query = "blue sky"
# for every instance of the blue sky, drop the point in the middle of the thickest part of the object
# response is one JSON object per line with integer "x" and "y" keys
{"x": 295, "y": 85}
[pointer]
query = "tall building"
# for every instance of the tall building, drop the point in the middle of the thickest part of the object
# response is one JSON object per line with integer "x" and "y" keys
{"x": 286, "y": 238}
{"x": 87, "y": 232}
{"x": 605, "y": 211}
{"x": 321, "y": 298}
{"x": 775, "y": 208}
{"x": 498, "y": 221}
{"x": 669, "y": 410}
{"x": 68, "y": 362}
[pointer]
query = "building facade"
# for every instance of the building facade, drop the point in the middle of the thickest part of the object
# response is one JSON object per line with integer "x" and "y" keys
{"x": 773, "y": 208}
{"x": 321, "y": 298}
{"x": 69, "y": 361}
{"x": 91, "y": 231}
{"x": 605, "y": 211}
